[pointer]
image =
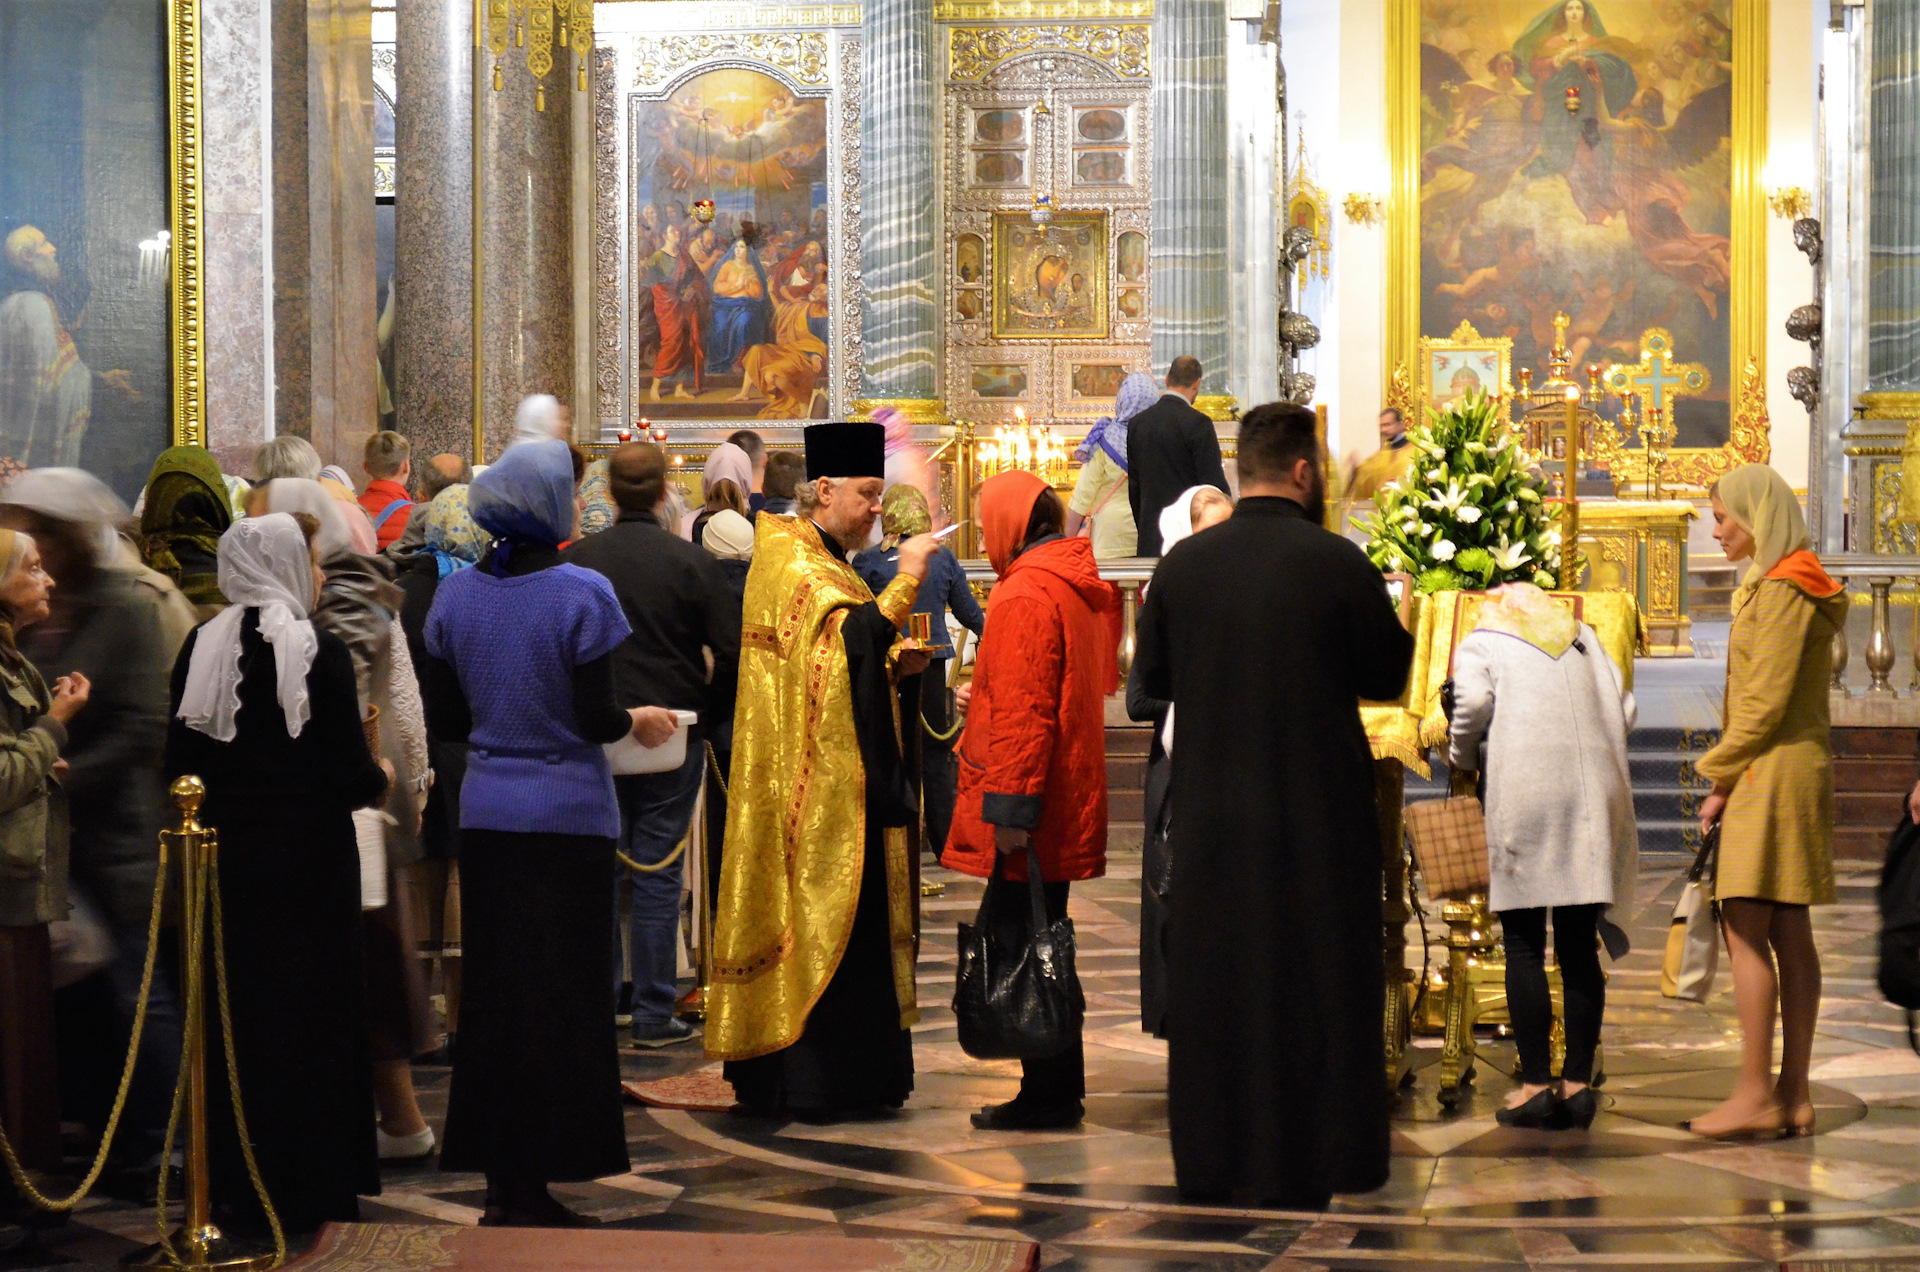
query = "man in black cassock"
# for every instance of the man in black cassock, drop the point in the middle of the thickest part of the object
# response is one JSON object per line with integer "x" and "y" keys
{"x": 1265, "y": 632}
{"x": 812, "y": 992}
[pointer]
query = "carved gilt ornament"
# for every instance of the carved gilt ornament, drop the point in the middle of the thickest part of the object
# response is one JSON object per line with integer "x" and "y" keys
{"x": 977, "y": 51}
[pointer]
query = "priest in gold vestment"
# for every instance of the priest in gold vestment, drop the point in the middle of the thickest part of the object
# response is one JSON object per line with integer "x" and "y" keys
{"x": 1388, "y": 464}
{"x": 812, "y": 992}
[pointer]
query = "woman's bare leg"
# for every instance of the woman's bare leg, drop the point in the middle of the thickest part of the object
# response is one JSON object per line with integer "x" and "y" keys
{"x": 1748, "y": 924}
{"x": 393, "y": 1095}
{"x": 1799, "y": 971}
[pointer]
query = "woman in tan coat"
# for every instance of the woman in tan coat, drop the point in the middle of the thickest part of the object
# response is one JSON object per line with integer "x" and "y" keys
{"x": 1772, "y": 776}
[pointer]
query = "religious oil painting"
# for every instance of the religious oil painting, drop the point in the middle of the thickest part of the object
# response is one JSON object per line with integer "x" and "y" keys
{"x": 969, "y": 258}
{"x": 732, "y": 255}
{"x": 1130, "y": 257}
{"x": 85, "y": 358}
{"x": 999, "y": 127}
{"x": 1132, "y": 304}
{"x": 1578, "y": 156}
{"x": 1005, "y": 381}
{"x": 1049, "y": 281}
{"x": 1095, "y": 380}
{"x": 967, "y": 303}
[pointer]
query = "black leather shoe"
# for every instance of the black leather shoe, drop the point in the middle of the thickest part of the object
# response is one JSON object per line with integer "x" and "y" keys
{"x": 1580, "y": 1107}
{"x": 1544, "y": 1112}
{"x": 1017, "y": 1116}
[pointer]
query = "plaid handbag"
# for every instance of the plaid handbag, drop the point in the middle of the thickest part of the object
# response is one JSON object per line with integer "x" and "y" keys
{"x": 1450, "y": 845}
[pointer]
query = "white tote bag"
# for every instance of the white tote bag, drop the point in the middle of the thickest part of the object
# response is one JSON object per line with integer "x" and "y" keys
{"x": 1693, "y": 938}
{"x": 370, "y": 833}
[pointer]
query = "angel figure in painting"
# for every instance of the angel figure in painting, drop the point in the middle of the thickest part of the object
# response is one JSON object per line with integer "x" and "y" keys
{"x": 1635, "y": 175}
{"x": 1483, "y": 150}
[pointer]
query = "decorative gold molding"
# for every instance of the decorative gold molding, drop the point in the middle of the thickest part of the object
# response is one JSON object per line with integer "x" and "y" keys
{"x": 975, "y": 52}
{"x": 1891, "y": 406}
{"x": 918, "y": 411}
{"x": 1218, "y": 406}
{"x": 1012, "y": 10}
{"x": 720, "y": 15}
{"x": 1747, "y": 288}
{"x": 801, "y": 55}
{"x": 183, "y": 81}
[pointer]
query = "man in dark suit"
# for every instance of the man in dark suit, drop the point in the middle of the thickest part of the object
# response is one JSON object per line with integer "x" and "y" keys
{"x": 1170, "y": 448}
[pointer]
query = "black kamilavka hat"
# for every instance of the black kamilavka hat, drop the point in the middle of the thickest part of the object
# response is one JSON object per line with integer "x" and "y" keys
{"x": 846, "y": 450}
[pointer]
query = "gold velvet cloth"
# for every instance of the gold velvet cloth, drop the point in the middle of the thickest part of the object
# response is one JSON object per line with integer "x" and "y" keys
{"x": 1404, "y": 730}
{"x": 796, "y": 812}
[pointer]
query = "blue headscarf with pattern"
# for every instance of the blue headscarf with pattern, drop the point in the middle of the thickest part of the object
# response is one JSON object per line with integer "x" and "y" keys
{"x": 1109, "y": 432}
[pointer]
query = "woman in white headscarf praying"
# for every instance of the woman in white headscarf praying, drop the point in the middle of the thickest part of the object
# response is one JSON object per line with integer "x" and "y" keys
{"x": 263, "y": 711}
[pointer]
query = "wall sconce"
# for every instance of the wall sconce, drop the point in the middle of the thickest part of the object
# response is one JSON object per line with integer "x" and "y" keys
{"x": 1790, "y": 203}
{"x": 1363, "y": 209}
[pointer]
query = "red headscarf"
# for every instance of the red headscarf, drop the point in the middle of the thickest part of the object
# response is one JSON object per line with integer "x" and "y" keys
{"x": 1006, "y": 506}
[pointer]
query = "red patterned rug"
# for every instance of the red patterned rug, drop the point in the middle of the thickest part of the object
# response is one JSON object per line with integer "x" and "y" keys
{"x": 380, "y": 1247}
{"x": 701, "y": 1091}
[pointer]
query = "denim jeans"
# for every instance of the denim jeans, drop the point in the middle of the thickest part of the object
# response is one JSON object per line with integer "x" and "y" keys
{"x": 655, "y": 811}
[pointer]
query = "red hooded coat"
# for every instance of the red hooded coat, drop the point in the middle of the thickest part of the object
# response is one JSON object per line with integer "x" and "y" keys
{"x": 1033, "y": 755}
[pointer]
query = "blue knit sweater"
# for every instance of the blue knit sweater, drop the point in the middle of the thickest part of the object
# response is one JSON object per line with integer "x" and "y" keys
{"x": 514, "y": 643}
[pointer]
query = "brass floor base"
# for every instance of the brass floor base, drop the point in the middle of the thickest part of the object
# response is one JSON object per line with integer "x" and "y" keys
{"x": 204, "y": 1251}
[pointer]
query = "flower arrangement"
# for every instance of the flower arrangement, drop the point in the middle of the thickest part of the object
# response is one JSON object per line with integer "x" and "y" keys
{"x": 1470, "y": 513}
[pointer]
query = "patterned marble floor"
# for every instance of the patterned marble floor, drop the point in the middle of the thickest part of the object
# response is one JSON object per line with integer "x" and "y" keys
{"x": 1635, "y": 1192}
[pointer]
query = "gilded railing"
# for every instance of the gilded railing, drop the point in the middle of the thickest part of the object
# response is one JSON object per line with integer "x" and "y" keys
{"x": 1129, "y": 574}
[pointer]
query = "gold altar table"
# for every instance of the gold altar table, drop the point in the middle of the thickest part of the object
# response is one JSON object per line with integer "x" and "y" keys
{"x": 1400, "y": 735}
{"x": 1639, "y": 546}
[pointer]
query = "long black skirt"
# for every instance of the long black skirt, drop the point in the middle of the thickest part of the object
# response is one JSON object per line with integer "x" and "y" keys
{"x": 290, "y": 894}
{"x": 536, "y": 1073}
{"x": 852, "y": 1056}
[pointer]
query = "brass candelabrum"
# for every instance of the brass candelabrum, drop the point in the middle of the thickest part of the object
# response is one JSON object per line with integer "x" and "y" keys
{"x": 1656, "y": 434}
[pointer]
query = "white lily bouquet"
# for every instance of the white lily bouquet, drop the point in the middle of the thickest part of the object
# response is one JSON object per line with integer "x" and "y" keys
{"x": 1470, "y": 513}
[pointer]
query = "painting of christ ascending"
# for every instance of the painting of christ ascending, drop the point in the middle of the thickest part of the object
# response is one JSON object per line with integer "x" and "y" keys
{"x": 731, "y": 251}
{"x": 1577, "y": 157}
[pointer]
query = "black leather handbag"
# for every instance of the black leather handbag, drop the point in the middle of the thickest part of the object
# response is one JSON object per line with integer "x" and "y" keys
{"x": 1017, "y": 997}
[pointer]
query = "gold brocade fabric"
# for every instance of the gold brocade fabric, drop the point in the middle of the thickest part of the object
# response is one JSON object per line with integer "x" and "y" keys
{"x": 1404, "y": 730}
{"x": 1382, "y": 468}
{"x": 796, "y": 816}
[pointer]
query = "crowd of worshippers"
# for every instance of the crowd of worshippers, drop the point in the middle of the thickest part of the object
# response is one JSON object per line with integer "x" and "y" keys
{"x": 403, "y": 700}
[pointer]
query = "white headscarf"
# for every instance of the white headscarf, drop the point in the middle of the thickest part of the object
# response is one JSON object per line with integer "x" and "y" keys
{"x": 728, "y": 535}
{"x": 75, "y": 496}
{"x": 297, "y": 494}
{"x": 264, "y": 566}
{"x": 1176, "y": 519}
{"x": 538, "y": 420}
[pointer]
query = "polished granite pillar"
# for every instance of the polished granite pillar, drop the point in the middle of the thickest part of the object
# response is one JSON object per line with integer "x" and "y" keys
{"x": 1192, "y": 186}
{"x": 899, "y": 248}
{"x": 323, "y": 225}
{"x": 1893, "y": 343}
{"x": 235, "y": 71}
{"x": 526, "y": 242}
{"x": 433, "y": 226}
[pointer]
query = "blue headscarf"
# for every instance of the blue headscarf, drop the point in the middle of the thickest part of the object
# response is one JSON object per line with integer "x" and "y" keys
{"x": 526, "y": 496}
{"x": 1109, "y": 432}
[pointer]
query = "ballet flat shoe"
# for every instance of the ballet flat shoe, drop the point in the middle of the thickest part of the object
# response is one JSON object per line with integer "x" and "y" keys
{"x": 1580, "y": 1107}
{"x": 1544, "y": 1112}
{"x": 1770, "y": 1124}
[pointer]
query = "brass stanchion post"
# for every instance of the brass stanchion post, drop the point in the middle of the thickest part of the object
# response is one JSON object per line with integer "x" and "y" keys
{"x": 197, "y": 1245}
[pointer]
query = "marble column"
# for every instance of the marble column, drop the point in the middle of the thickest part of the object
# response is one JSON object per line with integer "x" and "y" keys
{"x": 323, "y": 225}
{"x": 526, "y": 242}
{"x": 1893, "y": 343}
{"x": 433, "y": 226}
{"x": 237, "y": 205}
{"x": 1191, "y": 192}
{"x": 900, "y": 245}
{"x": 1892, "y": 400}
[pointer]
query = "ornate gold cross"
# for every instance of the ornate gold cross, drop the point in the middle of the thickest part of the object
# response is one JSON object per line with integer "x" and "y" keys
{"x": 1658, "y": 378}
